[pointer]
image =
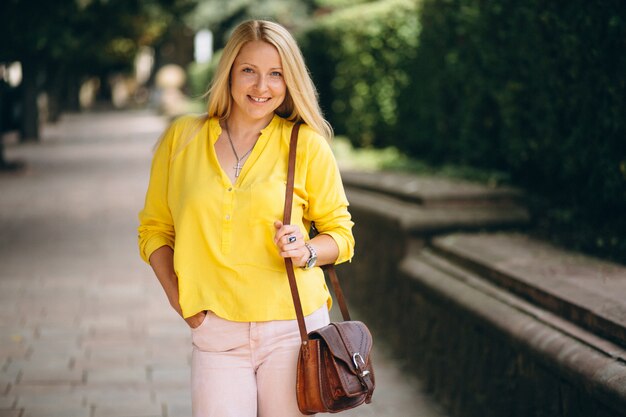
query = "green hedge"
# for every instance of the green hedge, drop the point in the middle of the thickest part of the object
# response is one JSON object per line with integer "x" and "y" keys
{"x": 355, "y": 58}
{"x": 532, "y": 88}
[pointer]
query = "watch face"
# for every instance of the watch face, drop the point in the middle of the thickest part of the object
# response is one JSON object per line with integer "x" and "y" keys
{"x": 311, "y": 262}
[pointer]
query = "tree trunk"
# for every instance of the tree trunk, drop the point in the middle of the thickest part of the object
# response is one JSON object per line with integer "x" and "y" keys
{"x": 5, "y": 125}
{"x": 54, "y": 87}
{"x": 2, "y": 98}
{"x": 29, "y": 126}
{"x": 71, "y": 83}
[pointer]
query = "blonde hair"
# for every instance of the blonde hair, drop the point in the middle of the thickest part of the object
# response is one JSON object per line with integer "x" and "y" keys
{"x": 300, "y": 104}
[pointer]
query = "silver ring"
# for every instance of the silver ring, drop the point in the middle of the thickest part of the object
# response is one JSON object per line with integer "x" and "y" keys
{"x": 291, "y": 239}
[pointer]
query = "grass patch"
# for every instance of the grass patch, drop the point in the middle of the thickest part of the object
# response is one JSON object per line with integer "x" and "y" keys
{"x": 391, "y": 159}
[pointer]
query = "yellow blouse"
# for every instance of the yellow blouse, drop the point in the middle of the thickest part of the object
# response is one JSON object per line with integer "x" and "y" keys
{"x": 222, "y": 233}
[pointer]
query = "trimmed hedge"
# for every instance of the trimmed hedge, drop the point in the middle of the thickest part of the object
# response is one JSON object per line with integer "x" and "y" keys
{"x": 532, "y": 88}
{"x": 355, "y": 58}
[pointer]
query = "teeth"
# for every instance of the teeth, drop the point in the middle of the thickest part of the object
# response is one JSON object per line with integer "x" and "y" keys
{"x": 259, "y": 100}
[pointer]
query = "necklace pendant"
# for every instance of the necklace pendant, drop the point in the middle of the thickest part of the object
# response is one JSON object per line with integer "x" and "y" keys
{"x": 237, "y": 169}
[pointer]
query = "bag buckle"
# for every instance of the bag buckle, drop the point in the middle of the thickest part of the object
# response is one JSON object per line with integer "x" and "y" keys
{"x": 356, "y": 358}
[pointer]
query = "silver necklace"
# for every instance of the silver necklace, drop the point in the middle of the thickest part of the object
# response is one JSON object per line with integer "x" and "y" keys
{"x": 237, "y": 167}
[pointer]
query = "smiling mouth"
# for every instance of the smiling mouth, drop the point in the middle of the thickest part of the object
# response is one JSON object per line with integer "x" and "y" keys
{"x": 259, "y": 99}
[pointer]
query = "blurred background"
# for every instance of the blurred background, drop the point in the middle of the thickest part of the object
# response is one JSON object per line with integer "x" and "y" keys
{"x": 526, "y": 93}
{"x": 474, "y": 99}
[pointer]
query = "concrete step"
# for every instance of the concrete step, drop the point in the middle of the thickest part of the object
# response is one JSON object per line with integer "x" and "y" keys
{"x": 420, "y": 220}
{"x": 432, "y": 191}
{"x": 581, "y": 289}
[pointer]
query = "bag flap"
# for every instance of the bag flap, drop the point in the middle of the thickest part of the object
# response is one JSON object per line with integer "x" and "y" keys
{"x": 344, "y": 340}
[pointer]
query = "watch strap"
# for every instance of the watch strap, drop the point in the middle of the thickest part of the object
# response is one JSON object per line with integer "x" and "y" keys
{"x": 313, "y": 256}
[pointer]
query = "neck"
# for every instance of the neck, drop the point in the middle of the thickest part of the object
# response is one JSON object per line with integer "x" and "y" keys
{"x": 244, "y": 129}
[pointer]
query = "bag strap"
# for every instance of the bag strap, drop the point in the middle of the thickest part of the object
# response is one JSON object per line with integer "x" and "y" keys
{"x": 293, "y": 144}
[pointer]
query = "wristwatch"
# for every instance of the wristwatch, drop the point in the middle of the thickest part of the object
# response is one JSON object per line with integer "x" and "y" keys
{"x": 310, "y": 263}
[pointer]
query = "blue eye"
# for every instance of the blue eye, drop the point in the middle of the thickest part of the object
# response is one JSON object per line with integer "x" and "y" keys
{"x": 276, "y": 74}
{"x": 248, "y": 70}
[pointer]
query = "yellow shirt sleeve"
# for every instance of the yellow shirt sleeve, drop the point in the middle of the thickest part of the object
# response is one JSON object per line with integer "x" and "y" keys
{"x": 327, "y": 202}
{"x": 156, "y": 227}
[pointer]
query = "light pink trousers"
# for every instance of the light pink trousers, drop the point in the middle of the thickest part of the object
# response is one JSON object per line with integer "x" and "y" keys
{"x": 247, "y": 369}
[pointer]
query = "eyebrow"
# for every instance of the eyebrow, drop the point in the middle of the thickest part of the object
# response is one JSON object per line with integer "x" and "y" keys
{"x": 252, "y": 65}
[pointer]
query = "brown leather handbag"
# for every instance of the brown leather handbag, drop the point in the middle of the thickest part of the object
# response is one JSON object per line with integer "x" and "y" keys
{"x": 334, "y": 366}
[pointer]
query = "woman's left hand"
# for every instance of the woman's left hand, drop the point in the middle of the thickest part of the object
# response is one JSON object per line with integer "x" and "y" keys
{"x": 290, "y": 243}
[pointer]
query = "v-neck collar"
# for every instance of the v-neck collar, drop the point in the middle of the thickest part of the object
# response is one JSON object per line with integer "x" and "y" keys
{"x": 215, "y": 130}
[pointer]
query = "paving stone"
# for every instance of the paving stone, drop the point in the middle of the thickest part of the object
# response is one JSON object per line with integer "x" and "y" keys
{"x": 35, "y": 390}
{"x": 122, "y": 353}
{"x": 56, "y": 411}
{"x": 53, "y": 397}
{"x": 15, "y": 335}
{"x": 103, "y": 345}
{"x": 49, "y": 319}
{"x": 117, "y": 375}
{"x": 151, "y": 410}
{"x": 177, "y": 330}
{"x": 7, "y": 401}
{"x": 176, "y": 401}
{"x": 179, "y": 410}
{"x": 69, "y": 346}
{"x": 173, "y": 375}
{"x": 111, "y": 338}
{"x": 173, "y": 395}
{"x": 94, "y": 320}
{"x": 9, "y": 375}
{"x": 13, "y": 351}
{"x": 53, "y": 363}
{"x": 180, "y": 361}
{"x": 32, "y": 375}
{"x": 100, "y": 396}
{"x": 62, "y": 331}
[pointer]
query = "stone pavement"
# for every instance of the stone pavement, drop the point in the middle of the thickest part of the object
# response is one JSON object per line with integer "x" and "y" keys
{"x": 85, "y": 330}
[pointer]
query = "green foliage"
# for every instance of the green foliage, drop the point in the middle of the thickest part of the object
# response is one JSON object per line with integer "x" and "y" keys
{"x": 199, "y": 76}
{"x": 87, "y": 36}
{"x": 221, "y": 16}
{"x": 338, "y": 4}
{"x": 354, "y": 55}
{"x": 533, "y": 89}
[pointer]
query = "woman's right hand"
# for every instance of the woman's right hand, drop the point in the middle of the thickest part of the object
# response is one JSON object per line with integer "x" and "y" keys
{"x": 196, "y": 320}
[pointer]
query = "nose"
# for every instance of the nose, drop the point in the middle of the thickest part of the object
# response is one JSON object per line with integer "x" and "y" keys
{"x": 261, "y": 83}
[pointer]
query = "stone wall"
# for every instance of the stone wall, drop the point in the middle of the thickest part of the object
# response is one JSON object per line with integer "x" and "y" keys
{"x": 484, "y": 346}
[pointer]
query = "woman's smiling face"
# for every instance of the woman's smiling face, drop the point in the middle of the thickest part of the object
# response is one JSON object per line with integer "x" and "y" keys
{"x": 257, "y": 84}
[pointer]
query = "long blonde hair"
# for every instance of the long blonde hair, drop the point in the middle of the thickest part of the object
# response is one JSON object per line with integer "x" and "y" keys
{"x": 300, "y": 102}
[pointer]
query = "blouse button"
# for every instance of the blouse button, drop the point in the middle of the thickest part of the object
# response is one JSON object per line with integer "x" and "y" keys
{"x": 228, "y": 217}
{"x": 230, "y": 188}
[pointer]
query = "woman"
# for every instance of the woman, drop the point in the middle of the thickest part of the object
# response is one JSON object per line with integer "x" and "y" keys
{"x": 210, "y": 228}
